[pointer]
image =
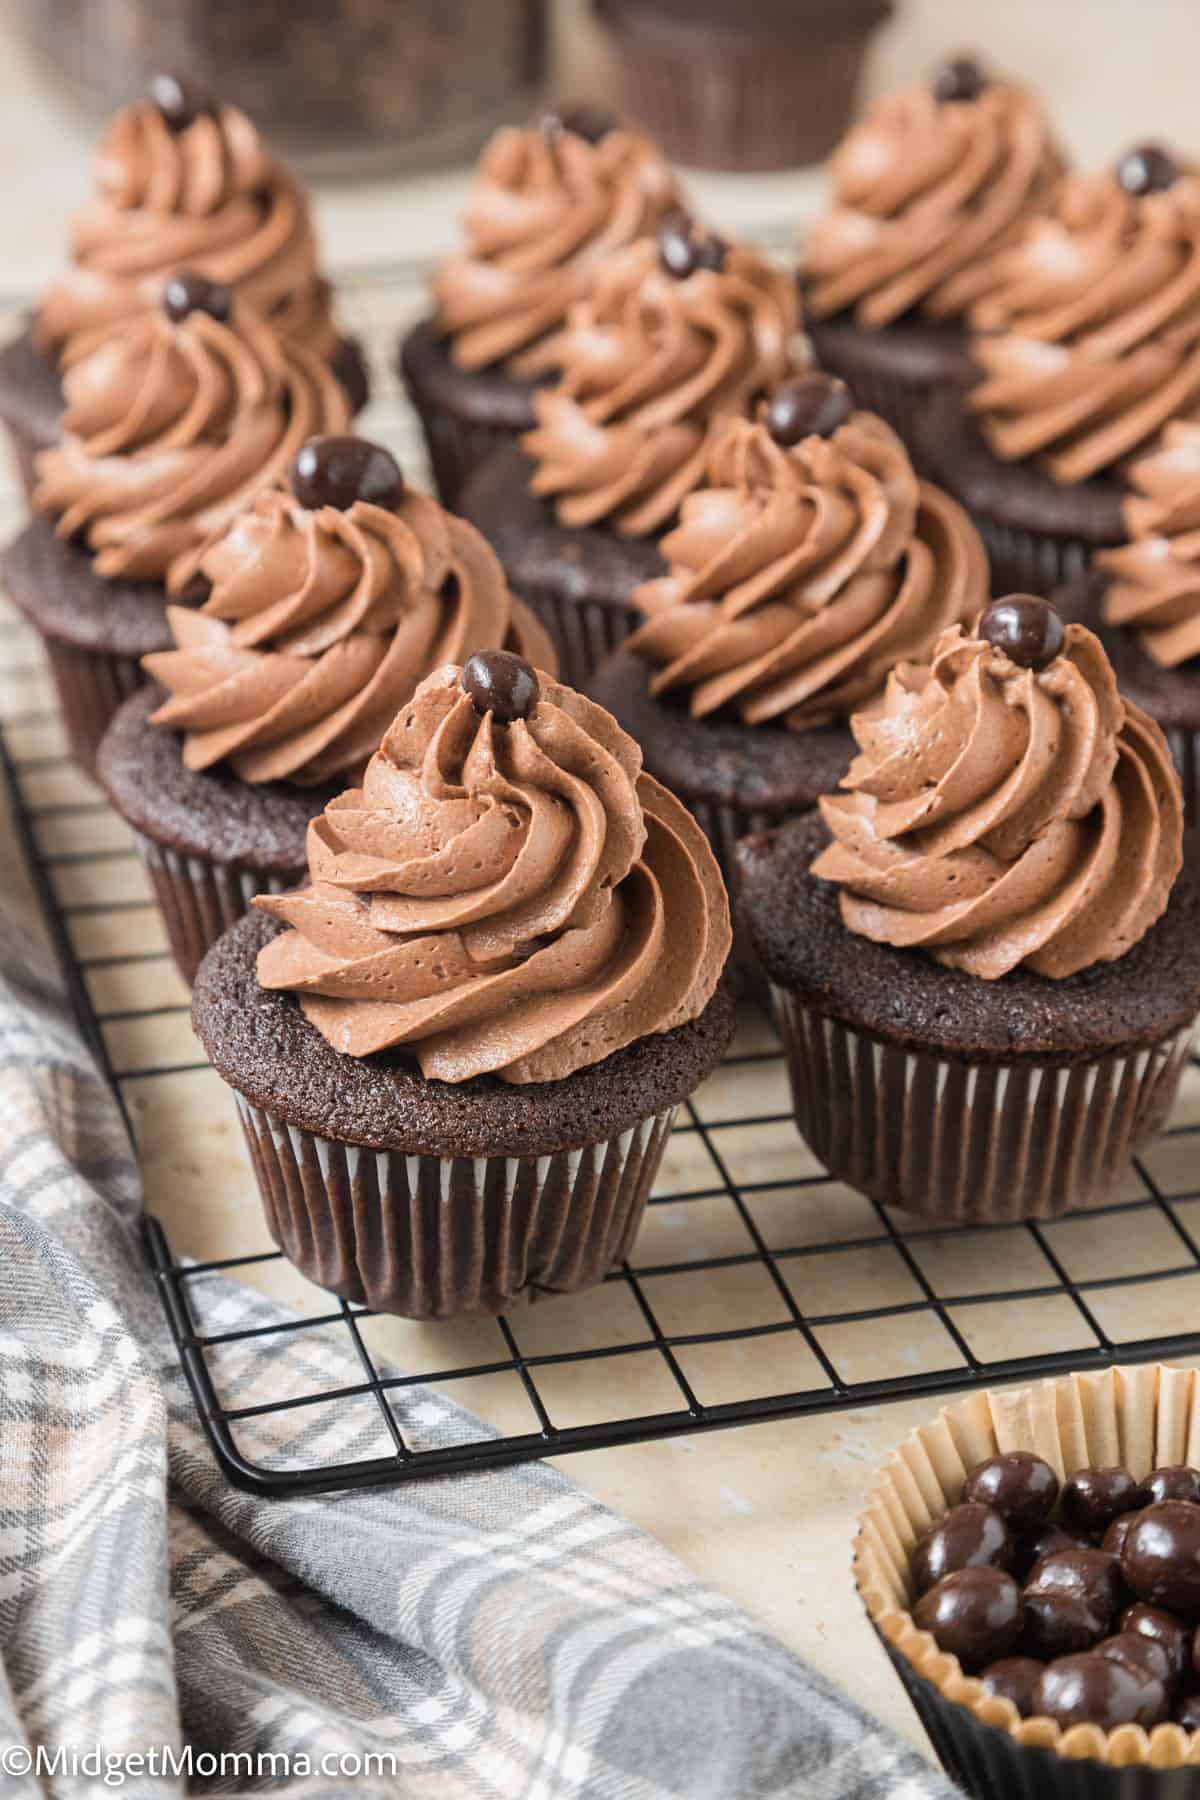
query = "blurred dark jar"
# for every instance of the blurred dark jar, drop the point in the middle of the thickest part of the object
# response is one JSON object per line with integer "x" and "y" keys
{"x": 339, "y": 86}
{"x": 742, "y": 84}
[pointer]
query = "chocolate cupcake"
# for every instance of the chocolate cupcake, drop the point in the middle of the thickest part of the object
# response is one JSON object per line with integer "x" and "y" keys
{"x": 742, "y": 84}
{"x": 481, "y": 1015}
{"x": 1143, "y": 598}
{"x": 182, "y": 182}
{"x": 1086, "y": 335}
{"x": 926, "y": 188}
{"x": 677, "y": 335}
{"x": 810, "y": 561}
{"x": 550, "y": 206}
{"x": 985, "y": 958}
{"x": 176, "y": 417}
{"x": 1115, "y": 1713}
{"x": 327, "y": 605}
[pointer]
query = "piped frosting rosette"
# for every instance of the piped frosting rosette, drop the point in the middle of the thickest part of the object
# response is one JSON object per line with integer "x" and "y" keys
{"x": 506, "y": 893}
{"x": 206, "y": 195}
{"x": 1155, "y": 578}
{"x": 1088, "y": 331}
{"x": 1006, "y": 813}
{"x": 551, "y": 204}
{"x": 799, "y": 575}
{"x": 172, "y": 427}
{"x": 923, "y": 188}
{"x": 650, "y": 362}
{"x": 318, "y": 628}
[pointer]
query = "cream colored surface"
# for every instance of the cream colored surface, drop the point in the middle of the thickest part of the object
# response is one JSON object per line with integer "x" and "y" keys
{"x": 764, "y": 1512}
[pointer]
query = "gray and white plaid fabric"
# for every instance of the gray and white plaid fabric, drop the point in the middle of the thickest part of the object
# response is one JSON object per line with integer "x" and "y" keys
{"x": 500, "y": 1635}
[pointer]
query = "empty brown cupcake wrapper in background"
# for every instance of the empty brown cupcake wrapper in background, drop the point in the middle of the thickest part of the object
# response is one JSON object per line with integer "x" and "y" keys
{"x": 982, "y": 1141}
{"x": 1139, "y": 1418}
{"x": 91, "y": 686}
{"x": 200, "y": 899}
{"x": 434, "y": 1237}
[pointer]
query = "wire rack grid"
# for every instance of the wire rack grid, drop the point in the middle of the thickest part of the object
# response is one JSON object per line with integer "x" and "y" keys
{"x": 757, "y": 1289}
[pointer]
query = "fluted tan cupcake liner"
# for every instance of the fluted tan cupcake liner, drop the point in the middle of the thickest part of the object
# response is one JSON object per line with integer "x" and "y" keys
{"x": 585, "y": 632}
{"x": 91, "y": 686}
{"x": 434, "y": 1237}
{"x": 200, "y": 899}
{"x": 1141, "y": 1418}
{"x": 987, "y": 1142}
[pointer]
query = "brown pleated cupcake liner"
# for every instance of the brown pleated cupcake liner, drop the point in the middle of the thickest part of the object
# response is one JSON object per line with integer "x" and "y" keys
{"x": 456, "y": 449}
{"x": 896, "y": 395}
{"x": 1030, "y": 562}
{"x": 431, "y": 1237}
{"x": 200, "y": 899}
{"x": 585, "y": 632}
{"x": 91, "y": 686}
{"x": 1139, "y": 1418}
{"x": 24, "y": 453}
{"x": 742, "y": 101}
{"x": 1185, "y": 754}
{"x": 987, "y": 1142}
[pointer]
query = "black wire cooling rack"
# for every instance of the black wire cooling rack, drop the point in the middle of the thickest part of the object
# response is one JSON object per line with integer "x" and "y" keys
{"x": 758, "y": 1289}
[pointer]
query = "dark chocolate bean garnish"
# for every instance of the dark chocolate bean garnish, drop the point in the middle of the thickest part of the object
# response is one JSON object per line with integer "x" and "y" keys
{"x": 1114, "y": 1538}
{"x": 180, "y": 102}
{"x": 961, "y": 1539}
{"x": 1175, "y": 1483}
{"x": 500, "y": 683}
{"x": 1091, "y": 1575}
{"x": 808, "y": 406}
{"x": 1147, "y": 169}
{"x": 958, "y": 80}
{"x": 1161, "y": 1558}
{"x": 1138, "y": 1652}
{"x": 1093, "y": 1498}
{"x": 683, "y": 247}
{"x": 1028, "y": 630}
{"x": 1098, "y": 1690}
{"x": 592, "y": 123}
{"x": 974, "y": 1614}
{"x": 186, "y": 293}
{"x": 1013, "y": 1678}
{"x": 1044, "y": 1540}
{"x": 1163, "y": 1628}
{"x": 1018, "y": 1484}
{"x": 1062, "y": 1625}
{"x": 338, "y": 470}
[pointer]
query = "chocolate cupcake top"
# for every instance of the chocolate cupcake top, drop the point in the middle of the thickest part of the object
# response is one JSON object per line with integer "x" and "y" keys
{"x": 183, "y": 182}
{"x": 550, "y": 205}
{"x": 1087, "y": 328}
{"x": 1006, "y": 808}
{"x": 1155, "y": 585}
{"x": 675, "y": 334}
{"x": 801, "y": 572}
{"x": 321, "y": 620}
{"x": 507, "y": 893}
{"x": 933, "y": 179}
{"x": 174, "y": 420}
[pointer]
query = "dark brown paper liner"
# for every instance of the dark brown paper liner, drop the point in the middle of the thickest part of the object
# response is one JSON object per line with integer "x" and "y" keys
{"x": 200, "y": 899}
{"x": 743, "y": 101}
{"x": 91, "y": 686}
{"x": 981, "y": 1141}
{"x": 585, "y": 632}
{"x": 24, "y": 453}
{"x": 1139, "y": 1418}
{"x": 456, "y": 449}
{"x": 896, "y": 395}
{"x": 1185, "y": 754}
{"x": 1030, "y": 562}
{"x": 430, "y": 1237}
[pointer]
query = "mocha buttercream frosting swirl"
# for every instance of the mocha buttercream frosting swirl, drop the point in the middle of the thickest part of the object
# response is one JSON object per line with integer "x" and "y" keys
{"x": 513, "y": 899}
{"x": 922, "y": 190}
{"x": 547, "y": 210}
{"x": 1002, "y": 816}
{"x": 1155, "y": 578}
{"x": 799, "y": 576}
{"x": 1088, "y": 333}
{"x": 172, "y": 428}
{"x": 650, "y": 363}
{"x": 209, "y": 198}
{"x": 319, "y": 626}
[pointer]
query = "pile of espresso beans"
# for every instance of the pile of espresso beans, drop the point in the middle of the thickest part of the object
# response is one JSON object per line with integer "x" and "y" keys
{"x": 1082, "y": 1605}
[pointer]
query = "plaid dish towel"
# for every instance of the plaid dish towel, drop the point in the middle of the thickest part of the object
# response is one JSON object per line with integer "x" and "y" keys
{"x": 500, "y": 1635}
